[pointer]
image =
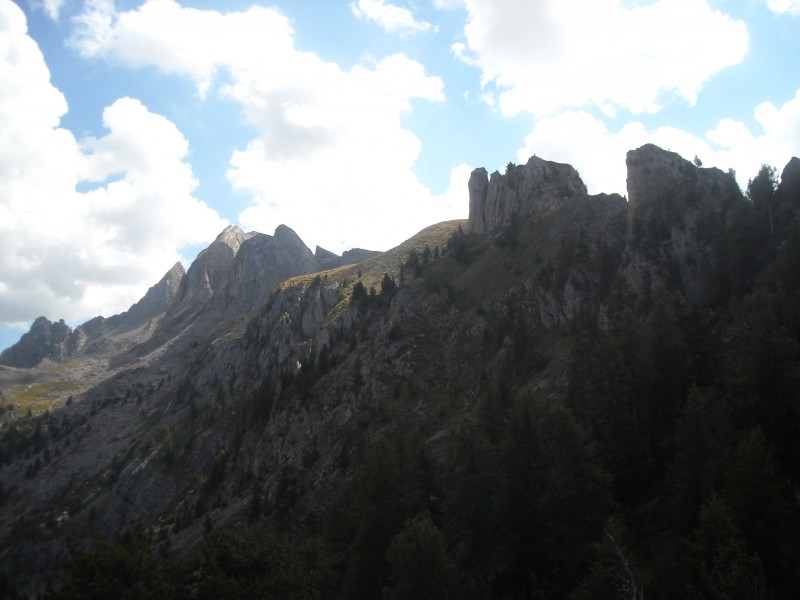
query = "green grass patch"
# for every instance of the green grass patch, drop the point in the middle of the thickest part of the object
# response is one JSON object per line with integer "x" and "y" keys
{"x": 38, "y": 398}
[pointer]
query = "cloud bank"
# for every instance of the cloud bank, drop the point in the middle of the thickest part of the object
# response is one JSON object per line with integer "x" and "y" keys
{"x": 332, "y": 158}
{"x": 545, "y": 56}
{"x": 574, "y": 66}
{"x": 73, "y": 254}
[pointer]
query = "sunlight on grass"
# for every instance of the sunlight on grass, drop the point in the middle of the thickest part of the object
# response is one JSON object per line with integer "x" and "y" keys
{"x": 38, "y": 398}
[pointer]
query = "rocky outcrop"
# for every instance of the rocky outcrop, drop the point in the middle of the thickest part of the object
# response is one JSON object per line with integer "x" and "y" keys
{"x": 158, "y": 298}
{"x": 325, "y": 259}
{"x": 535, "y": 187}
{"x": 101, "y": 335}
{"x": 789, "y": 188}
{"x": 663, "y": 187}
{"x": 45, "y": 341}
{"x": 675, "y": 210}
{"x": 261, "y": 263}
{"x": 207, "y": 281}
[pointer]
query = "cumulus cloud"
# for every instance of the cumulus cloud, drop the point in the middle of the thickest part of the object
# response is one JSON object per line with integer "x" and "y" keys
{"x": 777, "y": 141}
{"x": 72, "y": 254}
{"x": 581, "y": 139}
{"x": 549, "y": 56}
{"x": 356, "y": 186}
{"x": 785, "y": 6}
{"x": 393, "y": 18}
{"x": 332, "y": 158}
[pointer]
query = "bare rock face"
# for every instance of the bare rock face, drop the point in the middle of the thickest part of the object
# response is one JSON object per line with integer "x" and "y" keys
{"x": 102, "y": 335}
{"x": 662, "y": 186}
{"x": 675, "y": 210}
{"x": 261, "y": 263}
{"x": 207, "y": 280}
{"x": 478, "y": 190}
{"x": 158, "y": 298}
{"x": 535, "y": 187}
{"x": 45, "y": 340}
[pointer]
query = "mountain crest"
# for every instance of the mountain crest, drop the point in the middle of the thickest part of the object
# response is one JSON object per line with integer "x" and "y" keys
{"x": 537, "y": 186}
{"x": 233, "y": 237}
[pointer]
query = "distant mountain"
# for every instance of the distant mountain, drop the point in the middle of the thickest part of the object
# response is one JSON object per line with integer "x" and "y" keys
{"x": 230, "y": 277}
{"x": 44, "y": 341}
{"x": 563, "y": 396}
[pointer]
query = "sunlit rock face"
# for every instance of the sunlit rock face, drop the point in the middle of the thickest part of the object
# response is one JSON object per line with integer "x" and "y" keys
{"x": 535, "y": 187}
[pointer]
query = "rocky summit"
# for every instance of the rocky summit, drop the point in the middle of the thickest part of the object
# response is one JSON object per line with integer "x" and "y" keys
{"x": 535, "y": 187}
{"x": 564, "y": 396}
{"x": 46, "y": 341}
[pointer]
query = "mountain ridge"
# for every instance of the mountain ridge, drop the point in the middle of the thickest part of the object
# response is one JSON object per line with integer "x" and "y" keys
{"x": 463, "y": 370}
{"x": 237, "y": 283}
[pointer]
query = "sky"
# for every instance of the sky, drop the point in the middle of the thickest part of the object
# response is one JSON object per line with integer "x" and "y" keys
{"x": 132, "y": 132}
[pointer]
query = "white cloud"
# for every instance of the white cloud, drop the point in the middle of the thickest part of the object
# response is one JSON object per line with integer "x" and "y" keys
{"x": 778, "y": 140}
{"x": 332, "y": 159}
{"x": 547, "y": 56}
{"x": 68, "y": 254}
{"x": 448, "y": 4}
{"x": 785, "y": 6}
{"x": 52, "y": 8}
{"x": 391, "y": 17}
{"x": 580, "y": 139}
{"x": 350, "y": 181}
{"x": 186, "y": 41}
{"x": 151, "y": 207}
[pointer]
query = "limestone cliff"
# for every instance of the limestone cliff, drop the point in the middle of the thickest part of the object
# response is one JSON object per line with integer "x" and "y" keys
{"x": 675, "y": 211}
{"x": 535, "y": 187}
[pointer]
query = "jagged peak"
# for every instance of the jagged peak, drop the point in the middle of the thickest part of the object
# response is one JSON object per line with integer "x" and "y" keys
{"x": 233, "y": 236}
{"x": 177, "y": 270}
{"x": 659, "y": 179}
{"x": 284, "y": 233}
{"x": 320, "y": 252}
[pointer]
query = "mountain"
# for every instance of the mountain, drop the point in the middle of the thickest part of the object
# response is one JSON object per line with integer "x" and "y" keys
{"x": 44, "y": 341}
{"x": 563, "y": 396}
{"x": 231, "y": 277}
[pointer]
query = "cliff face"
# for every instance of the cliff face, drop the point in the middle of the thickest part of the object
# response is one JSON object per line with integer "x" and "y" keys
{"x": 261, "y": 263}
{"x": 676, "y": 211}
{"x": 207, "y": 281}
{"x": 673, "y": 213}
{"x": 535, "y": 187}
{"x": 102, "y": 335}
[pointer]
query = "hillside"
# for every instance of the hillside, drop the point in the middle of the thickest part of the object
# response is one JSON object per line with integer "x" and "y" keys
{"x": 564, "y": 396}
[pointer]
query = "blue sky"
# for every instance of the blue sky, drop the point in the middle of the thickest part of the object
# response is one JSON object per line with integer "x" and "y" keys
{"x": 132, "y": 132}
